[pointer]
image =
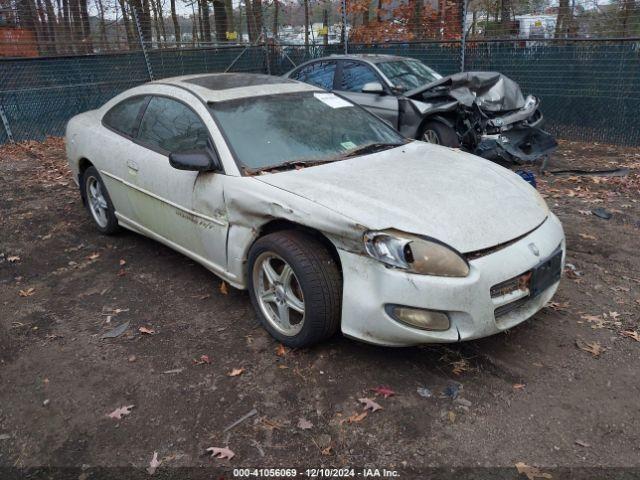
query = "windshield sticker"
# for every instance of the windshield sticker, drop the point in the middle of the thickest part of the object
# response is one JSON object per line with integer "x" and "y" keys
{"x": 332, "y": 100}
{"x": 348, "y": 145}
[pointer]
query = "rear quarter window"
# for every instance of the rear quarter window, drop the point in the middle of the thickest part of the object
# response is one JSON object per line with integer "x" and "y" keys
{"x": 124, "y": 116}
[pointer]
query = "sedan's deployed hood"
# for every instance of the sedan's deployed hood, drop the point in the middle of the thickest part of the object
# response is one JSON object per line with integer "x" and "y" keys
{"x": 457, "y": 198}
{"x": 491, "y": 91}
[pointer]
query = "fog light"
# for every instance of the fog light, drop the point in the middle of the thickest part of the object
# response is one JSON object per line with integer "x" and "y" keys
{"x": 419, "y": 318}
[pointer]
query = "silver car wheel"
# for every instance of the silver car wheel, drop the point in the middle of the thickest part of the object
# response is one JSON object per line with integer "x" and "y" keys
{"x": 278, "y": 293}
{"x": 97, "y": 202}
{"x": 431, "y": 136}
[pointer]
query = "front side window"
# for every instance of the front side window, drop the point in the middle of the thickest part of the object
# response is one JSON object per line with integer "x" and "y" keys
{"x": 172, "y": 126}
{"x": 408, "y": 74}
{"x": 274, "y": 131}
{"x": 355, "y": 75}
{"x": 319, "y": 74}
{"x": 124, "y": 116}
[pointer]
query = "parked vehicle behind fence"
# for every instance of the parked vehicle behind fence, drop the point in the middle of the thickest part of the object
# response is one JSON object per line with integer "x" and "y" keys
{"x": 484, "y": 113}
{"x": 328, "y": 216}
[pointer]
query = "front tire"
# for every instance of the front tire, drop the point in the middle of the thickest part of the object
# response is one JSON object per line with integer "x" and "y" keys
{"x": 295, "y": 287}
{"x": 98, "y": 202}
{"x": 439, "y": 134}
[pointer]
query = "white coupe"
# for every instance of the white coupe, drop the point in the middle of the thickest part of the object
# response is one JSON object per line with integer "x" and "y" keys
{"x": 330, "y": 218}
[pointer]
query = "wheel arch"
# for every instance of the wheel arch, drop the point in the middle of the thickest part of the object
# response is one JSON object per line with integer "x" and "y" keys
{"x": 281, "y": 224}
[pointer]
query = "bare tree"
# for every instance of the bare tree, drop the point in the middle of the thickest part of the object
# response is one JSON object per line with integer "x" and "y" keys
{"x": 176, "y": 23}
{"x": 220, "y": 18}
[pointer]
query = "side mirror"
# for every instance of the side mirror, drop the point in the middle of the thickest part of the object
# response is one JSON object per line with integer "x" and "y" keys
{"x": 196, "y": 160}
{"x": 373, "y": 87}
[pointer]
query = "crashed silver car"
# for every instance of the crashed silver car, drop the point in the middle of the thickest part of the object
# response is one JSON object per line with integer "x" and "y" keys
{"x": 484, "y": 113}
{"x": 328, "y": 216}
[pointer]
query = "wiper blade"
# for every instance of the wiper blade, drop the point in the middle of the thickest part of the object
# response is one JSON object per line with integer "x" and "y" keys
{"x": 371, "y": 148}
{"x": 289, "y": 164}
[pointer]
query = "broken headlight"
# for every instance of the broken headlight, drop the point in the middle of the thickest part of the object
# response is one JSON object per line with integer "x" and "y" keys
{"x": 415, "y": 254}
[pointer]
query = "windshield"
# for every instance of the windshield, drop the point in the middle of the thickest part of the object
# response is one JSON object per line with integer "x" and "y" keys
{"x": 309, "y": 127}
{"x": 408, "y": 74}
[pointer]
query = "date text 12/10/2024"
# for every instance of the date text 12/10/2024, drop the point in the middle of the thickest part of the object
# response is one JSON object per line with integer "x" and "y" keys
{"x": 315, "y": 473}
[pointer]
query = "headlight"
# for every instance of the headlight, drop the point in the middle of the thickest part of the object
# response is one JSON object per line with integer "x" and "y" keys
{"x": 415, "y": 254}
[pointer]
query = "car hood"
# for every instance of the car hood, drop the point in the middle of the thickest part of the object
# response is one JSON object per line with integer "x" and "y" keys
{"x": 462, "y": 200}
{"x": 491, "y": 91}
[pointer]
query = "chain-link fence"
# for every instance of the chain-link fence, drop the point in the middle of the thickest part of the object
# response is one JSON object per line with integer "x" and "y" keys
{"x": 581, "y": 57}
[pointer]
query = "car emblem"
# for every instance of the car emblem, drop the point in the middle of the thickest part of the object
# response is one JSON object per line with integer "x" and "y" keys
{"x": 534, "y": 249}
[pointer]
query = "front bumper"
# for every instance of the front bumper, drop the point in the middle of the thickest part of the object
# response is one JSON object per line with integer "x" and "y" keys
{"x": 520, "y": 145}
{"x": 369, "y": 286}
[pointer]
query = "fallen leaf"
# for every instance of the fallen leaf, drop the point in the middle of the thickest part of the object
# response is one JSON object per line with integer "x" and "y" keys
{"x": 583, "y": 443}
{"x": 122, "y": 263}
{"x": 223, "y": 288}
{"x": 386, "y": 392}
{"x": 531, "y": 472}
{"x": 460, "y": 366}
{"x": 370, "y": 404}
{"x": 153, "y": 464}
{"x": 614, "y": 315}
{"x": 93, "y": 256}
{"x": 202, "y": 360}
{"x": 13, "y": 258}
{"x": 631, "y": 334}
{"x": 219, "y": 452}
{"x": 147, "y": 331}
{"x": 594, "y": 348}
{"x": 519, "y": 386}
{"x": 27, "y": 293}
{"x": 281, "y": 350}
{"x": 304, "y": 424}
{"x": 452, "y": 416}
{"x": 235, "y": 372}
{"x": 118, "y": 413}
{"x": 584, "y": 212}
{"x": 586, "y": 236}
{"x": 326, "y": 451}
{"x": 356, "y": 417}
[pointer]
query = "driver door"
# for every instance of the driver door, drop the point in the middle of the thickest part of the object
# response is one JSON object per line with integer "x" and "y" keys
{"x": 162, "y": 196}
{"x": 352, "y": 76}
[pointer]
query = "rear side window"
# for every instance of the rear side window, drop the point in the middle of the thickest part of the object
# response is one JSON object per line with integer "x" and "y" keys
{"x": 319, "y": 74}
{"x": 172, "y": 126}
{"x": 355, "y": 75}
{"x": 124, "y": 116}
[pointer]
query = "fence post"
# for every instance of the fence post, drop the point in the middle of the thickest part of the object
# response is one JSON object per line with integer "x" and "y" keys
{"x": 463, "y": 37}
{"x": 141, "y": 37}
{"x": 5, "y": 122}
{"x": 345, "y": 34}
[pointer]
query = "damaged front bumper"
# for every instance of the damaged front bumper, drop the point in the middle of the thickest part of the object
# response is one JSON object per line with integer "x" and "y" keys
{"x": 520, "y": 145}
{"x": 370, "y": 287}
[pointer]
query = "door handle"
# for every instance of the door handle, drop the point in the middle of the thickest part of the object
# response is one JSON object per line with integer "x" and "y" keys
{"x": 132, "y": 165}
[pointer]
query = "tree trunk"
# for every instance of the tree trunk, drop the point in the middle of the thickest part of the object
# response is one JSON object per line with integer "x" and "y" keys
{"x": 131, "y": 39}
{"x": 325, "y": 26}
{"x": 103, "y": 28}
{"x": 276, "y": 10}
{"x": 505, "y": 18}
{"x": 417, "y": 19}
{"x": 176, "y": 23}
{"x": 156, "y": 22}
{"x": 306, "y": 25}
{"x": 163, "y": 28}
{"x": 206, "y": 21}
{"x": 86, "y": 30}
{"x": 220, "y": 18}
{"x": 251, "y": 26}
{"x": 257, "y": 15}
{"x": 563, "y": 22}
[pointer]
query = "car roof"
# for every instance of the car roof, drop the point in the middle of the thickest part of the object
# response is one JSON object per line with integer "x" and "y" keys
{"x": 369, "y": 57}
{"x": 218, "y": 87}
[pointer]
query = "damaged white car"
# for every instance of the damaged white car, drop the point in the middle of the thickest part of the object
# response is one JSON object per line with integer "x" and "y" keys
{"x": 330, "y": 218}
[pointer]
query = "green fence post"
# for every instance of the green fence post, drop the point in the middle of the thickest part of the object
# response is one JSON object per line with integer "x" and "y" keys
{"x": 5, "y": 122}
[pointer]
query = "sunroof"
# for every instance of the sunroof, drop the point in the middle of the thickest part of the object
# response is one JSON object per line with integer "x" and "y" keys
{"x": 235, "y": 80}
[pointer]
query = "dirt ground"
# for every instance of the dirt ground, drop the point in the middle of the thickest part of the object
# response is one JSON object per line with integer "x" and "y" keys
{"x": 531, "y": 395}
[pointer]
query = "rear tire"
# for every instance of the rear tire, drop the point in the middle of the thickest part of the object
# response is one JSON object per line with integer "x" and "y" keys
{"x": 439, "y": 134}
{"x": 290, "y": 271}
{"x": 98, "y": 202}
